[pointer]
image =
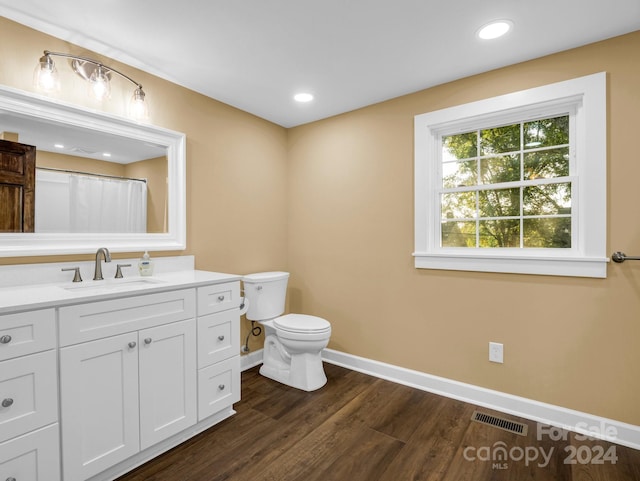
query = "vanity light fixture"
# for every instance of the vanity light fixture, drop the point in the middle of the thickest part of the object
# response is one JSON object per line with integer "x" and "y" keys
{"x": 494, "y": 29}
{"x": 98, "y": 76}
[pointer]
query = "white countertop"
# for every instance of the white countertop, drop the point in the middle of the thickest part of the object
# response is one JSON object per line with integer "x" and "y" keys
{"x": 40, "y": 296}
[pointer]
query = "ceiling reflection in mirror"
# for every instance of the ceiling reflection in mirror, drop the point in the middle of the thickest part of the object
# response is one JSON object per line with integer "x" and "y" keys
{"x": 89, "y": 181}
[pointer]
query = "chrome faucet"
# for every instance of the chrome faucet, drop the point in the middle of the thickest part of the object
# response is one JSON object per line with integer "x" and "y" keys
{"x": 107, "y": 258}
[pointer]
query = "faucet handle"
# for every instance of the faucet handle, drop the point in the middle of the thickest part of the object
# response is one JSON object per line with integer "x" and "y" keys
{"x": 119, "y": 270}
{"x": 76, "y": 276}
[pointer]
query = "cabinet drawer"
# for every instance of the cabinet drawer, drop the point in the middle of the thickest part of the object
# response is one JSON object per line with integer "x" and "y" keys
{"x": 27, "y": 332}
{"x": 33, "y": 457}
{"x": 96, "y": 320}
{"x": 218, "y": 297}
{"x": 218, "y": 337}
{"x": 28, "y": 394}
{"x": 218, "y": 387}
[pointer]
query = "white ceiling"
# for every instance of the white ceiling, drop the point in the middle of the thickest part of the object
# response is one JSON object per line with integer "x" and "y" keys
{"x": 255, "y": 54}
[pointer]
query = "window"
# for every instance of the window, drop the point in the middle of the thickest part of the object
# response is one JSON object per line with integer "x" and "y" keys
{"x": 515, "y": 183}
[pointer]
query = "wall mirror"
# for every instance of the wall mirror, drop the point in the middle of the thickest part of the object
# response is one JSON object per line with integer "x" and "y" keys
{"x": 100, "y": 180}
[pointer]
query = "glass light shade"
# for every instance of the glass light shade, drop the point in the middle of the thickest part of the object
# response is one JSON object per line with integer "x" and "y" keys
{"x": 99, "y": 84}
{"x": 45, "y": 75}
{"x": 138, "y": 107}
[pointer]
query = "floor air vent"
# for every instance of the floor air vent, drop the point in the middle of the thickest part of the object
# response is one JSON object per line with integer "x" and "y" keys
{"x": 501, "y": 423}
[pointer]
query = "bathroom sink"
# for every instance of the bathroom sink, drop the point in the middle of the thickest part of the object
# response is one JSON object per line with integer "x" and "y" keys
{"x": 112, "y": 285}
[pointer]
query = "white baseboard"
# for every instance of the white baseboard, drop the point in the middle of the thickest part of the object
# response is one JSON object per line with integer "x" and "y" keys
{"x": 545, "y": 414}
{"x": 250, "y": 360}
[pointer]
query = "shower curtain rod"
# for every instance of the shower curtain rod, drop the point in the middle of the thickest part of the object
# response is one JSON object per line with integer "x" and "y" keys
{"x": 66, "y": 171}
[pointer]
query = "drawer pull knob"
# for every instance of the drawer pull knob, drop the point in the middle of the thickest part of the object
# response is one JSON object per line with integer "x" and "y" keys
{"x": 11, "y": 479}
{"x": 148, "y": 340}
{"x": 7, "y": 402}
{"x": 6, "y": 339}
{"x": 132, "y": 344}
{"x": 221, "y": 387}
{"x": 220, "y": 338}
{"x": 221, "y": 298}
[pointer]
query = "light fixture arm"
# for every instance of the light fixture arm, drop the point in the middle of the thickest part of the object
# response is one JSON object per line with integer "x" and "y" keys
{"x": 48, "y": 53}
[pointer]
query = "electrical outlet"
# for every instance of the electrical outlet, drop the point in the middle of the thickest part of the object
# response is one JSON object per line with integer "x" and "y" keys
{"x": 496, "y": 352}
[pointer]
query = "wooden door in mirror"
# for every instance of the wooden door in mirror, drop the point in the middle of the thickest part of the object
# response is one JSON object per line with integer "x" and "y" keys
{"x": 17, "y": 187}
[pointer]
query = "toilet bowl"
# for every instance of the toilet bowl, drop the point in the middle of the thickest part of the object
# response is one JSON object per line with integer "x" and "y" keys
{"x": 293, "y": 343}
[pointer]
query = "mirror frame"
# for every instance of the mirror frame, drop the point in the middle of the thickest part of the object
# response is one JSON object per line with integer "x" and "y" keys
{"x": 35, "y": 244}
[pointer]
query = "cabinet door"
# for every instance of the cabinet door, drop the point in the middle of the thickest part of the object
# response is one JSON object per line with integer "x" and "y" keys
{"x": 17, "y": 187}
{"x": 167, "y": 381}
{"x": 99, "y": 404}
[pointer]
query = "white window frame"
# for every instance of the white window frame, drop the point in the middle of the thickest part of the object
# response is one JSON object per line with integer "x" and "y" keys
{"x": 584, "y": 99}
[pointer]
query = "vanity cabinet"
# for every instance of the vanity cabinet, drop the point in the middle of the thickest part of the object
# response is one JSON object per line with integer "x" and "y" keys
{"x": 92, "y": 385}
{"x": 29, "y": 442}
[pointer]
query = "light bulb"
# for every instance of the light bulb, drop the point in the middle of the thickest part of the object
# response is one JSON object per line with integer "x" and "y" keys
{"x": 138, "y": 107}
{"x": 99, "y": 84}
{"x": 45, "y": 75}
{"x": 303, "y": 97}
{"x": 494, "y": 29}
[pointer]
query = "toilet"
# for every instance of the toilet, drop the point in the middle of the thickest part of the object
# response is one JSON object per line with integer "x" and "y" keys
{"x": 294, "y": 342}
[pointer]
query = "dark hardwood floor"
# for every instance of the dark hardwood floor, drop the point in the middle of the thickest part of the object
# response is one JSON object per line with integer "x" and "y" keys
{"x": 359, "y": 427}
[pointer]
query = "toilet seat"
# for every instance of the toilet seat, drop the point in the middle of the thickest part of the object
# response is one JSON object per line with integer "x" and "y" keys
{"x": 302, "y": 323}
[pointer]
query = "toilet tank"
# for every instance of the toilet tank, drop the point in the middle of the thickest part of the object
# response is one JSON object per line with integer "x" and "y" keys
{"x": 266, "y": 293}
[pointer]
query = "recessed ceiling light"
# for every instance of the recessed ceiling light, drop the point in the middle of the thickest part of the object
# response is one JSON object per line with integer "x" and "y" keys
{"x": 106, "y": 154}
{"x": 58, "y": 146}
{"x": 303, "y": 97}
{"x": 494, "y": 29}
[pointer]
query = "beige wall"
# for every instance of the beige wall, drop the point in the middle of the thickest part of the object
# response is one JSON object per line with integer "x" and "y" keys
{"x": 54, "y": 160}
{"x": 332, "y": 202}
{"x": 236, "y": 162}
{"x": 570, "y": 342}
{"x": 155, "y": 172}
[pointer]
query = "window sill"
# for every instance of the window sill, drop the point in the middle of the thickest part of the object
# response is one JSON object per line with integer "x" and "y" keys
{"x": 549, "y": 266}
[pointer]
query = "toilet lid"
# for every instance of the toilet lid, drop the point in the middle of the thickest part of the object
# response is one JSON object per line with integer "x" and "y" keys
{"x": 301, "y": 323}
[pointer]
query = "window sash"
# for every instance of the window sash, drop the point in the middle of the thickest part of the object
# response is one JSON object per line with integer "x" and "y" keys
{"x": 585, "y": 98}
{"x": 554, "y": 112}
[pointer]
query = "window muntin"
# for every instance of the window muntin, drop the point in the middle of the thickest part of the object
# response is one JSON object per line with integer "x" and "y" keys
{"x": 583, "y": 175}
{"x": 507, "y": 186}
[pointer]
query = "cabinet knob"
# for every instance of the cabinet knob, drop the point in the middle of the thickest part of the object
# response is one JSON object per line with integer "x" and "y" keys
{"x": 6, "y": 339}
{"x": 132, "y": 344}
{"x": 11, "y": 479}
{"x": 221, "y": 298}
{"x": 7, "y": 402}
{"x": 220, "y": 338}
{"x": 148, "y": 340}
{"x": 221, "y": 387}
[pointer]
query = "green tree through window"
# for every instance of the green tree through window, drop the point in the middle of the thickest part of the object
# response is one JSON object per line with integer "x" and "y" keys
{"x": 507, "y": 186}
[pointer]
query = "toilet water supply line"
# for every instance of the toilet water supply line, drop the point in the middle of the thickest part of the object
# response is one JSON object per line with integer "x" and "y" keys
{"x": 255, "y": 330}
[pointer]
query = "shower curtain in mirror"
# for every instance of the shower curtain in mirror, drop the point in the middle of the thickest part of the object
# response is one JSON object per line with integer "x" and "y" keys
{"x": 68, "y": 202}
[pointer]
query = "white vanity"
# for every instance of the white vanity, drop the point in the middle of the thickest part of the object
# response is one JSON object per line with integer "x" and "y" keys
{"x": 100, "y": 376}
